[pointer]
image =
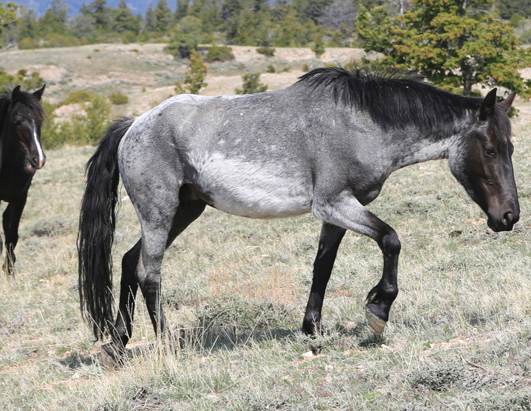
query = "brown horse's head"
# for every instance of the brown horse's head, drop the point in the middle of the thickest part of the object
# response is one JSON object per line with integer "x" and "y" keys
{"x": 25, "y": 117}
{"x": 482, "y": 164}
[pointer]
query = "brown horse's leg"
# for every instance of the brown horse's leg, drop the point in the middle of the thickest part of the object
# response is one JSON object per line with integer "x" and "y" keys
{"x": 329, "y": 241}
{"x": 11, "y": 221}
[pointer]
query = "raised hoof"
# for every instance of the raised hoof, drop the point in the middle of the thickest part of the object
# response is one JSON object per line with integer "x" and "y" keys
{"x": 377, "y": 325}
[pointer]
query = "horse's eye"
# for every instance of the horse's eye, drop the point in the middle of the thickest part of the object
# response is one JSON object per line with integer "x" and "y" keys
{"x": 490, "y": 152}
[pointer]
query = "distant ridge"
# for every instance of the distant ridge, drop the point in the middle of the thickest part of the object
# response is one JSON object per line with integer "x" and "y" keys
{"x": 40, "y": 6}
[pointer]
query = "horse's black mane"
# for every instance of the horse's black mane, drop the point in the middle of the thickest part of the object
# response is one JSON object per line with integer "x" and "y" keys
{"x": 23, "y": 97}
{"x": 391, "y": 101}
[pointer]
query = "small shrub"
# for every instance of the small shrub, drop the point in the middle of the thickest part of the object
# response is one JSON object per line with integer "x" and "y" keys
{"x": 118, "y": 99}
{"x": 27, "y": 43}
{"x": 266, "y": 51}
{"x": 286, "y": 69}
{"x": 237, "y": 312}
{"x": 525, "y": 37}
{"x": 60, "y": 40}
{"x": 318, "y": 47}
{"x": 78, "y": 96}
{"x": 194, "y": 79}
{"x": 129, "y": 37}
{"x": 437, "y": 377}
{"x": 28, "y": 81}
{"x": 271, "y": 69}
{"x": 305, "y": 67}
{"x": 251, "y": 84}
{"x": 81, "y": 129}
{"x": 219, "y": 53}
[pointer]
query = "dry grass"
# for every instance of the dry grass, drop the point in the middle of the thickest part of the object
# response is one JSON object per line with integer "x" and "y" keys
{"x": 236, "y": 288}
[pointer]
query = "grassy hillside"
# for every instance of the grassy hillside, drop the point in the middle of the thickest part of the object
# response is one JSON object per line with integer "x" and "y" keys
{"x": 236, "y": 288}
{"x": 148, "y": 75}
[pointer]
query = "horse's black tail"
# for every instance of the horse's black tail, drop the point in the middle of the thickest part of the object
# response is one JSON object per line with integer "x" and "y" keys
{"x": 96, "y": 231}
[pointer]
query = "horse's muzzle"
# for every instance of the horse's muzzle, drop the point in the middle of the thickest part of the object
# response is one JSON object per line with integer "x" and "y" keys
{"x": 38, "y": 162}
{"x": 505, "y": 223}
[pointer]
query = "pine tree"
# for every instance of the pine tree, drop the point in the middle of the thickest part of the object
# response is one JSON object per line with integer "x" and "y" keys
{"x": 451, "y": 42}
{"x": 8, "y": 15}
{"x": 163, "y": 16}
{"x": 311, "y": 9}
{"x": 55, "y": 18}
{"x": 182, "y": 9}
{"x": 186, "y": 37}
{"x": 100, "y": 13}
{"x": 124, "y": 20}
{"x": 150, "y": 22}
{"x": 27, "y": 24}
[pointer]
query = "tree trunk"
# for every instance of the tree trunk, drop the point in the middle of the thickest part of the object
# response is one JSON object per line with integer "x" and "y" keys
{"x": 467, "y": 80}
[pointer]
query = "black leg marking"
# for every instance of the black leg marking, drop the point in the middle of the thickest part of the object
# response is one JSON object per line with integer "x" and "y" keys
{"x": 344, "y": 210}
{"x": 123, "y": 327}
{"x": 329, "y": 242}
{"x": 382, "y": 296}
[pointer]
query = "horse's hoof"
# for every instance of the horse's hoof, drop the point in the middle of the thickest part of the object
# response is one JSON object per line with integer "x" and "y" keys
{"x": 109, "y": 356}
{"x": 377, "y": 325}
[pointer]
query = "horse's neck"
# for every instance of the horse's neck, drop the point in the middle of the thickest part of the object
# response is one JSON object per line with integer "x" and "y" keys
{"x": 419, "y": 146}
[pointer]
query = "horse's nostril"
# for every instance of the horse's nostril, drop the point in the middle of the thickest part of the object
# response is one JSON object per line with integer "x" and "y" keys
{"x": 508, "y": 218}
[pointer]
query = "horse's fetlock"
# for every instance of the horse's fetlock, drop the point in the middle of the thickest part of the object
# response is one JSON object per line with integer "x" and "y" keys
{"x": 390, "y": 292}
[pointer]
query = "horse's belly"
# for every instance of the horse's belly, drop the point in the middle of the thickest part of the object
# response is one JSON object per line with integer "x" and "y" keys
{"x": 255, "y": 190}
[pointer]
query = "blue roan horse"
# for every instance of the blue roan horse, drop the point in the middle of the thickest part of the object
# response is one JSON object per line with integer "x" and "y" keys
{"x": 325, "y": 145}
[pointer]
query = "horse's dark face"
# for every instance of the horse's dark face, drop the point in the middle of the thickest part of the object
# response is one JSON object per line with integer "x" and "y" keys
{"x": 25, "y": 117}
{"x": 483, "y": 164}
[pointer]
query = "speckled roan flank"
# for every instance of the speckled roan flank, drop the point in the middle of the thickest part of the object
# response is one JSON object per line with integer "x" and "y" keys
{"x": 21, "y": 155}
{"x": 325, "y": 145}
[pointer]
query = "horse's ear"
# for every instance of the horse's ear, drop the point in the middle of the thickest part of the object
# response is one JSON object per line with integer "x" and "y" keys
{"x": 16, "y": 93}
{"x": 487, "y": 106}
{"x": 508, "y": 102}
{"x": 39, "y": 92}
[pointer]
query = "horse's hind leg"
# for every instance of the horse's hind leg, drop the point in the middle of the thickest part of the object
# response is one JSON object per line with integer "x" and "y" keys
{"x": 123, "y": 327}
{"x": 188, "y": 210}
{"x": 157, "y": 235}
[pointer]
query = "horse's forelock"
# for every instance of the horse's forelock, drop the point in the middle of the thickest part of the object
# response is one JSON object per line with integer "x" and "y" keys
{"x": 25, "y": 98}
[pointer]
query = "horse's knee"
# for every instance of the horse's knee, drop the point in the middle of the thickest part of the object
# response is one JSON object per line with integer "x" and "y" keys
{"x": 390, "y": 243}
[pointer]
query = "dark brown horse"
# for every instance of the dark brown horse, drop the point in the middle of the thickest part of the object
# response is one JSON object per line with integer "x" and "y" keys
{"x": 21, "y": 155}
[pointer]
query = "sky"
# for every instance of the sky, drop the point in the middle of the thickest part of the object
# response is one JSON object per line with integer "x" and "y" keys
{"x": 40, "y": 6}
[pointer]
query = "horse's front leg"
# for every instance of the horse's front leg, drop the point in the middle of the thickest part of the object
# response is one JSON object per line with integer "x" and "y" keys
{"x": 344, "y": 210}
{"x": 11, "y": 221}
{"x": 329, "y": 241}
